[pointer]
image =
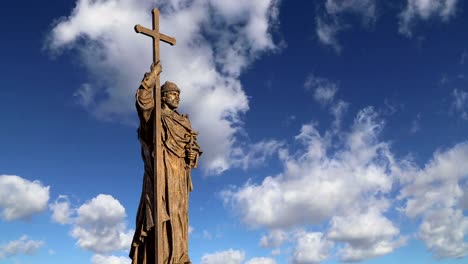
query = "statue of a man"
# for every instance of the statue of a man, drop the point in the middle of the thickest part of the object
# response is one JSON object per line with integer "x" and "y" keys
{"x": 180, "y": 153}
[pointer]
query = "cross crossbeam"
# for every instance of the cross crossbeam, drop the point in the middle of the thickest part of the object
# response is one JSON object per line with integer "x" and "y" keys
{"x": 151, "y": 33}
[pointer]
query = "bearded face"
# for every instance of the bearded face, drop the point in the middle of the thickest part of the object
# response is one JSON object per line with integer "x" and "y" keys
{"x": 171, "y": 99}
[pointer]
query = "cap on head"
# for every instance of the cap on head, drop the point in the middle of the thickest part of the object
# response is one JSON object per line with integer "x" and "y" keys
{"x": 169, "y": 86}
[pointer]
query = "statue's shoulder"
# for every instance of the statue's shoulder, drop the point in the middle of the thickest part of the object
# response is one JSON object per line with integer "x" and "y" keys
{"x": 183, "y": 118}
{"x": 168, "y": 113}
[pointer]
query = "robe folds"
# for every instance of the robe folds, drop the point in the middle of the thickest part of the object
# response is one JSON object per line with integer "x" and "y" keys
{"x": 177, "y": 136}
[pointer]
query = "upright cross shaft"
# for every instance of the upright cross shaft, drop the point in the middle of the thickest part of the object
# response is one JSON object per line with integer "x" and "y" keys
{"x": 157, "y": 127}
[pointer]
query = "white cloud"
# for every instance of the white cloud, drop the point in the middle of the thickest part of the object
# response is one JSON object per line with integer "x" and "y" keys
{"x": 444, "y": 233}
{"x": 24, "y": 245}
{"x": 85, "y": 95}
{"x": 325, "y": 94}
{"x": 348, "y": 187}
{"x": 338, "y": 109}
{"x": 274, "y": 239}
{"x": 424, "y": 10}
{"x": 330, "y": 23}
{"x": 317, "y": 183}
{"x": 327, "y": 31}
{"x": 324, "y": 89}
{"x": 206, "y": 68}
{"x": 255, "y": 154}
{"x": 362, "y": 229}
{"x": 436, "y": 193}
{"x": 365, "y": 234}
{"x": 61, "y": 211}
{"x": 102, "y": 259}
{"x": 437, "y": 185}
{"x": 382, "y": 247}
{"x": 226, "y": 257}
{"x": 460, "y": 103}
{"x": 311, "y": 248}
{"x": 21, "y": 198}
{"x": 261, "y": 261}
{"x": 99, "y": 225}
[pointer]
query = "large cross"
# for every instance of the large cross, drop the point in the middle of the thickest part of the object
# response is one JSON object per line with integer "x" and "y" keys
{"x": 157, "y": 206}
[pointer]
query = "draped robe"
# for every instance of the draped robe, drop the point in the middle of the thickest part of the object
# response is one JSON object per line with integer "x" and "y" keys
{"x": 177, "y": 135}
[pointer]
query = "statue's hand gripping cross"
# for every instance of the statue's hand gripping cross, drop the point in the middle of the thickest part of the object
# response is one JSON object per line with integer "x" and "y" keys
{"x": 157, "y": 203}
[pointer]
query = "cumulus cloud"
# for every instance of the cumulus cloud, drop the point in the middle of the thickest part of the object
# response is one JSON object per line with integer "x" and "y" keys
{"x": 61, "y": 210}
{"x": 437, "y": 185}
{"x": 21, "y": 198}
{"x": 274, "y": 239}
{"x": 436, "y": 193}
{"x": 346, "y": 187}
{"x": 311, "y": 248}
{"x": 99, "y": 225}
{"x": 317, "y": 182}
{"x": 261, "y": 261}
{"x": 366, "y": 235}
{"x": 310, "y": 188}
{"x": 362, "y": 229}
{"x": 444, "y": 233}
{"x": 382, "y": 247}
{"x": 350, "y": 188}
{"x": 330, "y": 22}
{"x": 228, "y": 257}
{"x": 101, "y": 259}
{"x": 216, "y": 41}
{"x": 424, "y": 10}
{"x": 23, "y": 245}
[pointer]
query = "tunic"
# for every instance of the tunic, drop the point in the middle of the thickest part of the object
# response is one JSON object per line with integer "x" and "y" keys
{"x": 177, "y": 136}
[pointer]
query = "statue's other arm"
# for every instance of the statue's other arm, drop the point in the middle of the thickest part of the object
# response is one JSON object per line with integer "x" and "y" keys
{"x": 193, "y": 151}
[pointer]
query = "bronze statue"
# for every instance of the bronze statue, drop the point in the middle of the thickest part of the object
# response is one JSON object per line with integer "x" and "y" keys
{"x": 169, "y": 150}
{"x": 180, "y": 153}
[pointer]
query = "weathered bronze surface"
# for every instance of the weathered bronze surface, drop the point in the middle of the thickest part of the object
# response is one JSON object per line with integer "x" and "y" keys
{"x": 169, "y": 150}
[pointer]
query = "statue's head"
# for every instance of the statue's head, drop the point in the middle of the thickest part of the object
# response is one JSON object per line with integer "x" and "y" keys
{"x": 170, "y": 94}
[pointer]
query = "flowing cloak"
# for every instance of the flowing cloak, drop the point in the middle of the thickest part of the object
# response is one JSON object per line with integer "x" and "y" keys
{"x": 177, "y": 135}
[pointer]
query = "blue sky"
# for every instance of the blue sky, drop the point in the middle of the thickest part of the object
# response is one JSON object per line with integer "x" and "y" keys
{"x": 333, "y": 131}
